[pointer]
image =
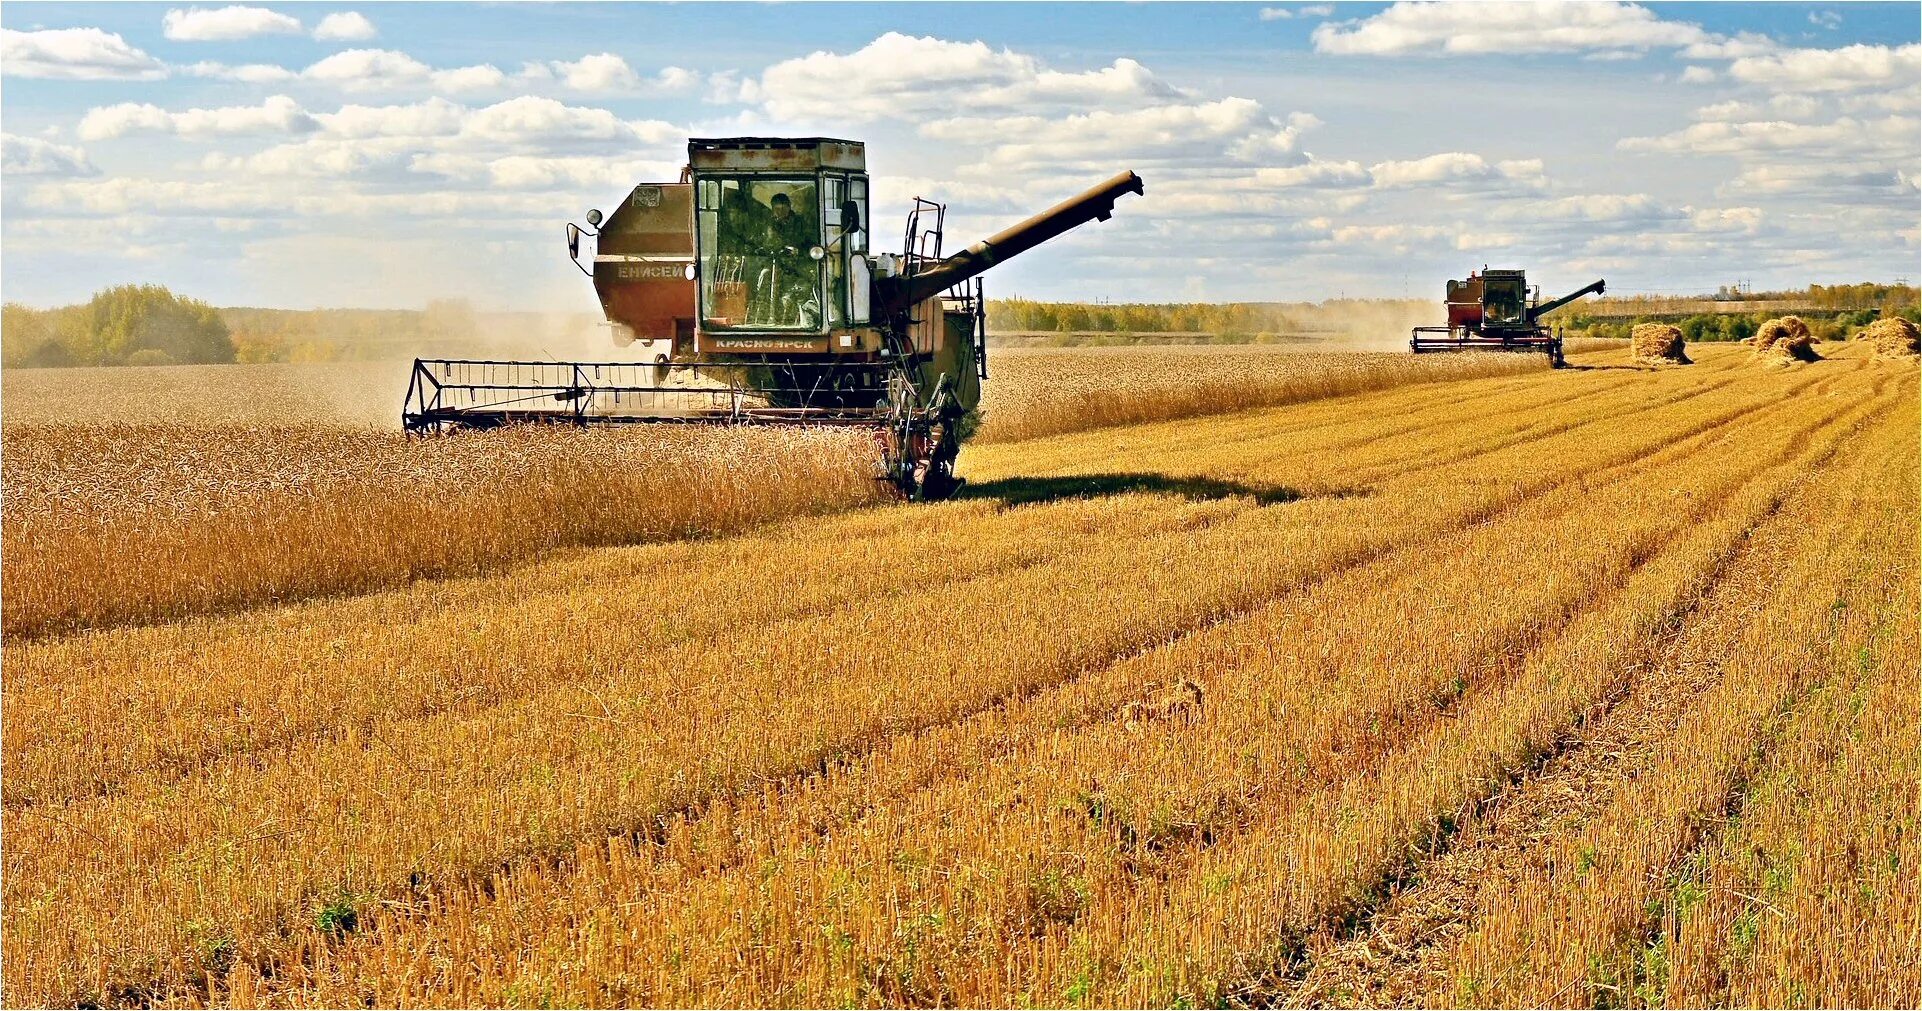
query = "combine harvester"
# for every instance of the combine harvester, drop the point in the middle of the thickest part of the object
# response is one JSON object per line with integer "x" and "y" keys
{"x": 1495, "y": 311}
{"x": 751, "y": 289}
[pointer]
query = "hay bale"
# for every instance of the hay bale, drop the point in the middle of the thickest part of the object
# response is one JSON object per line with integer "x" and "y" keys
{"x": 1784, "y": 340}
{"x": 1658, "y": 344}
{"x": 1893, "y": 337}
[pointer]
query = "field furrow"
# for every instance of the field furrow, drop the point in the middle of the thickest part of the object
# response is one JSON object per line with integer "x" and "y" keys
{"x": 1399, "y": 952}
{"x": 81, "y": 746}
{"x": 658, "y": 925}
{"x": 1150, "y": 712}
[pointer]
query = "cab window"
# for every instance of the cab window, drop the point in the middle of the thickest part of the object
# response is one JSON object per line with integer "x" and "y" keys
{"x": 756, "y": 236}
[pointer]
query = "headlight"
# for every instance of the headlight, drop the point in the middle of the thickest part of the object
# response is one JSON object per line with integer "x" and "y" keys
{"x": 594, "y": 216}
{"x": 818, "y": 253}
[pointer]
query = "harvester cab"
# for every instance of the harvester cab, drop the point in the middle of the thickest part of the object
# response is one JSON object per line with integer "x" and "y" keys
{"x": 1495, "y": 310}
{"x": 751, "y": 292}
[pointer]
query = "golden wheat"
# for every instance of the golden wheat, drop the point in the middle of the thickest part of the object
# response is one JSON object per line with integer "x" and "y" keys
{"x": 1152, "y": 707}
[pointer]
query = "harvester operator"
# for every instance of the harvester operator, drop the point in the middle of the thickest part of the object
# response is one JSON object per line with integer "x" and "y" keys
{"x": 787, "y": 282}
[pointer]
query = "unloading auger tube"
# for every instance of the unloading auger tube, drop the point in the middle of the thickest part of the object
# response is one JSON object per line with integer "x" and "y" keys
{"x": 748, "y": 292}
{"x": 897, "y": 294}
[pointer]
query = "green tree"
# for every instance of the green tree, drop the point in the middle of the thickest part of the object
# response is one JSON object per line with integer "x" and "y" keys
{"x": 28, "y": 339}
{"x": 121, "y": 321}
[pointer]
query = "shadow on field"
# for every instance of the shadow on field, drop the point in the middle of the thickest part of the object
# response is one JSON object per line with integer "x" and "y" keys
{"x": 1608, "y": 368}
{"x": 1025, "y": 490}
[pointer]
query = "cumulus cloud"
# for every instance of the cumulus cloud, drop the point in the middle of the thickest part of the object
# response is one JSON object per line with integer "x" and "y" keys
{"x": 75, "y": 54}
{"x": 533, "y": 119}
{"x": 226, "y": 24}
{"x": 247, "y": 73}
{"x": 607, "y": 72}
{"x": 277, "y": 115}
{"x": 1891, "y": 136}
{"x": 1289, "y": 13}
{"x": 539, "y": 172}
{"x": 1201, "y": 133}
{"x": 1314, "y": 174}
{"x": 1454, "y": 167}
{"x": 435, "y": 117}
{"x": 906, "y": 76}
{"x": 1596, "y": 209}
{"x": 345, "y": 26}
{"x": 369, "y": 70}
{"x": 1698, "y": 75}
{"x": 30, "y": 156}
{"x": 484, "y": 77}
{"x": 1850, "y": 68}
{"x": 1543, "y": 26}
{"x": 1847, "y": 184}
{"x": 1730, "y": 220}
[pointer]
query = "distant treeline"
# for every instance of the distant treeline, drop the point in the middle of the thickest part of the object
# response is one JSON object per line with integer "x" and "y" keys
{"x": 1817, "y": 299}
{"x": 1224, "y": 321}
{"x": 1020, "y": 314}
{"x": 150, "y": 325}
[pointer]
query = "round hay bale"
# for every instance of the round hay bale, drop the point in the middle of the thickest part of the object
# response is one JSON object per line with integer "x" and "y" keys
{"x": 1658, "y": 344}
{"x": 1893, "y": 337}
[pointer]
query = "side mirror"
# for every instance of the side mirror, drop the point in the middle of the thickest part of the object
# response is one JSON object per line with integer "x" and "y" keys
{"x": 850, "y": 216}
{"x": 574, "y": 248}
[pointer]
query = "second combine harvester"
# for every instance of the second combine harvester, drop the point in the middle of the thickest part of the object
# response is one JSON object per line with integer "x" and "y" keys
{"x": 1495, "y": 310}
{"x": 750, "y": 287}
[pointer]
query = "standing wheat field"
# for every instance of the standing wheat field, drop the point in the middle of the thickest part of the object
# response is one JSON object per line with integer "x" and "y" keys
{"x": 1276, "y": 679}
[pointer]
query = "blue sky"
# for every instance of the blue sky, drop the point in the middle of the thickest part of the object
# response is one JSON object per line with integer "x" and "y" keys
{"x": 384, "y": 154}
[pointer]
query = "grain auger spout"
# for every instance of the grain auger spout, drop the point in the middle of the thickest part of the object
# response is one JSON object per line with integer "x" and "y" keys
{"x": 896, "y": 294}
{"x": 747, "y": 292}
{"x": 1597, "y": 288}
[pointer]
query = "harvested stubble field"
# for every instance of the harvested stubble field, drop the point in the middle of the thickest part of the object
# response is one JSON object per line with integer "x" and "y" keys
{"x": 1590, "y": 687}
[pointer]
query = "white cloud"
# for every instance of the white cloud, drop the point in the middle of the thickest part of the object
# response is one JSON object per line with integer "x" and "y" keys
{"x": 277, "y": 115}
{"x": 1606, "y": 30}
{"x": 484, "y": 77}
{"x": 75, "y": 54}
{"x": 1888, "y": 137}
{"x": 1289, "y": 13}
{"x": 226, "y": 24}
{"x": 1595, "y": 208}
{"x": 435, "y": 117}
{"x": 369, "y": 70}
{"x": 345, "y": 26}
{"x": 1825, "y": 19}
{"x": 903, "y": 76}
{"x": 30, "y": 156}
{"x": 537, "y": 172}
{"x": 1850, "y": 68}
{"x": 531, "y": 119}
{"x": 606, "y": 72}
{"x": 1728, "y": 220}
{"x": 1202, "y": 133}
{"x": 598, "y": 72}
{"x": 248, "y": 73}
{"x": 1314, "y": 173}
{"x": 1741, "y": 44}
{"x": 1697, "y": 75}
{"x": 1452, "y": 167}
